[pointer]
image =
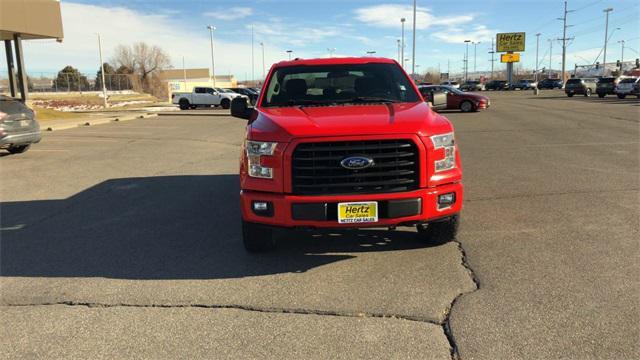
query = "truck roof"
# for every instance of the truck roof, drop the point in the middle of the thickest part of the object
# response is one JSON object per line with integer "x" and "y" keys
{"x": 335, "y": 61}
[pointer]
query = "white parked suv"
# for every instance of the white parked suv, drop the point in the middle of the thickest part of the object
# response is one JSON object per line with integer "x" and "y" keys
{"x": 627, "y": 86}
{"x": 204, "y": 96}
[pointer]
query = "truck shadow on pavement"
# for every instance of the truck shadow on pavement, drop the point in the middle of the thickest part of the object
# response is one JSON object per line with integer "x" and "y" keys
{"x": 166, "y": 227}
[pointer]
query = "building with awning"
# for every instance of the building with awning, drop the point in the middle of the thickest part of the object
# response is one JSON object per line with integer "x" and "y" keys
{"x": 26, "y": 20}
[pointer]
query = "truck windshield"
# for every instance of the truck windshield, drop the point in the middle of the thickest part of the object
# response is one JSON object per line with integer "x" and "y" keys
{"x": 338, "y": 84}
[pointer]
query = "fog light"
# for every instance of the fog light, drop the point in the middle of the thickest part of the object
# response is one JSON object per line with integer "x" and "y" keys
{"x": 262, "y": 208}
{"x": 446, "y": 200}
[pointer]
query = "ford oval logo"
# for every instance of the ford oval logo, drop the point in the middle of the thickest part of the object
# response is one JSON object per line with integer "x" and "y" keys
{"x": 356, "y": 162}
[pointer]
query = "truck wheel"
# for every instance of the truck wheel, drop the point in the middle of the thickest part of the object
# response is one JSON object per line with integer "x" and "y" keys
{"x": 587, "y": 93}
{"x": 621, "y": 96}
{"x": 18, "y": 149}
{"x": 184, "y": 104}
{"x": 257, "y": 238}
{"x": 440, "y": 232}
{"x": 225, "y": 103}
{"x": 466, "y": 106}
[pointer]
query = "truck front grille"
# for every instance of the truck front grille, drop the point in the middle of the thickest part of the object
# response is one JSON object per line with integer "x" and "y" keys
{"x": 316, "y": 167}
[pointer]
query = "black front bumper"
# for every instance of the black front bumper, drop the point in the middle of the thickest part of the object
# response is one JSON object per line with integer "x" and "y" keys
{"x": 323, "y": 211}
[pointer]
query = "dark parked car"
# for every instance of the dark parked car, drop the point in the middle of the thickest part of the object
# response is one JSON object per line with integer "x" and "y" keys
{"x": 550, "y": 84}
{"x": 250, "y": 93}
{"x": 607, "y": 86}
{"x": 472, "y": 85}
{"x": 455, "y": 99}
{"x": 497, "y": 85}
{"x": 18, "y": 126}
{"x": 524, "y": 85}
{"x": 586, "y": 86}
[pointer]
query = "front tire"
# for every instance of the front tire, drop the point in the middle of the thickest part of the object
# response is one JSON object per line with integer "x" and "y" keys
{"x": 225, "y": 103}
{"x": 440, "y": 232}
{"x": 19, "y": 149}
{"x": 257, "y": 238}
{"x": 466, "y": 106}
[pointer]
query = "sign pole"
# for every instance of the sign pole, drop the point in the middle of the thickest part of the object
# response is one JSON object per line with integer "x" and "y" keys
{"x": 510, "y": 70}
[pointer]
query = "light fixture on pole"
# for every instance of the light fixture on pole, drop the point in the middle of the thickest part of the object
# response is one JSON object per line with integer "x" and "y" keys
{"x": 466, "y": 60}
{"x": 371, "y": 52}
{"x": 402, "y": 20}
{"x": 289, "y": 52}
{"x": 606, "y": 40}
{"x": 213, "y": 67}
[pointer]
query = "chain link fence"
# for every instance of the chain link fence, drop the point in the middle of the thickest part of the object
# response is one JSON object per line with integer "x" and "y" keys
{"x": 74, "y": 82}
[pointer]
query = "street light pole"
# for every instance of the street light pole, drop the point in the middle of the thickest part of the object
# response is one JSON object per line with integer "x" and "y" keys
{"x": 621, "y": 42}
{"x": 253, "y": 75}
{"x": 475, "y": 45}
{"x": 399, "y": 56}
{"x": 537, "y": 48}
{"x": 550, "y": 56}
{"x": 263, "y": 75}
{"x": 104, "y": 86}
{"x": 466, "y": 60}
{"x": 213, "y": 68}
{"x": 413, "y": 50}
{"x": 289, "y": 52}
{"x": 606, "y": 40}
{"x": 402, "y": 47}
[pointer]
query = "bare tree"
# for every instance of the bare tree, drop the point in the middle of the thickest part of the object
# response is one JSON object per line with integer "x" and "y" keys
{"x": 144, "y": 60}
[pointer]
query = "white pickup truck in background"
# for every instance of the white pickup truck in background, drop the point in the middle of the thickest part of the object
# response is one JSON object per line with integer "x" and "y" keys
{"x": 204, "y": 96}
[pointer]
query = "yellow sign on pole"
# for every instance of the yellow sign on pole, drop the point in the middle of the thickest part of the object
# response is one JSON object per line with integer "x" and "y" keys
{"x": 506, "y": 42}
{"x": 509, "y": 58}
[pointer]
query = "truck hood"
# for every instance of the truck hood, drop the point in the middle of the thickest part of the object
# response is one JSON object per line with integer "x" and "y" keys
{"x": 286, "y": 123}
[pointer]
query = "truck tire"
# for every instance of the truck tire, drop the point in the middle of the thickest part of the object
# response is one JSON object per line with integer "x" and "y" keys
{"x": 440, "y": 232}
{"x": 587, "y": 93}
{"x": 622, "y": 96}
{"x": 257, "y": 238}
{"x": 225, "y": 103}
{"x": 466, "y": 106}
{"x": 184, "y": 104}
{"x": 19, "y": 149}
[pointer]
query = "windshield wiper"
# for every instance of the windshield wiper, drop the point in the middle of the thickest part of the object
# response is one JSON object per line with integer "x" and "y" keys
{"x": 369, "y": 99}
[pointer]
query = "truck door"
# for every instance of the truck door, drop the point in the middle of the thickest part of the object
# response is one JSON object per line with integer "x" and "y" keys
{"x": 213, "y": 96}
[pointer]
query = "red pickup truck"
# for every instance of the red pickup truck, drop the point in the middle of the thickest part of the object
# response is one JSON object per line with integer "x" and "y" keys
{"x": 346, "y": 143}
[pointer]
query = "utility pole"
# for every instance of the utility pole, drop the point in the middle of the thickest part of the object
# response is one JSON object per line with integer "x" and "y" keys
{"x": 263, "y": 69}
{"x": 466, "y": 60}
{"x": 253, "y": 75}
{"x": 475, "y": 45}
{"x": 399, "y": 56}
{"x": 537, "y": 48}
{"x": 564, "y": 40}
{"x": 448, "y": 69}
{"x": 104, "y": 86}
{"x": 606, "y": 40}
{"x": 413, "y": 50}
{"x": 550, "y": 55}
{"x": 213, "y": 68}
{"x": 621, "y": 42}
{"x": 402, "y": 47}
{"x": 493, "y": 59}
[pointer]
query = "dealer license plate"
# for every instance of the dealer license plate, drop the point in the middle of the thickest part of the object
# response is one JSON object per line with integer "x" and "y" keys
{"x": 357, "y": 212}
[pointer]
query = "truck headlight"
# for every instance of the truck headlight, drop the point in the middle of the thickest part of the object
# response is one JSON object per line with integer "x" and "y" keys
{"x": 255, "y": 150}
{"x": 446, "y": 142}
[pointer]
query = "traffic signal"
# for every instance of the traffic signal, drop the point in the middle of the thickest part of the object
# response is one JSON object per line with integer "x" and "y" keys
{"x": 618, "y": 63}
{"x": 597, "y": 65}
{"x": 637, "y": 63}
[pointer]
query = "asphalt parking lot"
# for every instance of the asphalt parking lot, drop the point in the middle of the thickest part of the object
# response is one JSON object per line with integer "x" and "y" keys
{"x": 123, "y": 241}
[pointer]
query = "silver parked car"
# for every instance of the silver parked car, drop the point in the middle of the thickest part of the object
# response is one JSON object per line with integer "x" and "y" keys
{"x": 18, "y": 126}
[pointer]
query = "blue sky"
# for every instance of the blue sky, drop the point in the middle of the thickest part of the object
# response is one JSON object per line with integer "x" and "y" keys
{"x": 352, "y": 27}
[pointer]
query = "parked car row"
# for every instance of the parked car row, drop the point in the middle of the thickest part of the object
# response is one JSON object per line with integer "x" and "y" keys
{"x": 619, "y": 86}
{"x": 525, "y": 84}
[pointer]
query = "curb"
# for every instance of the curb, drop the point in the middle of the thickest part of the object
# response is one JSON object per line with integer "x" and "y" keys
{"x": 98, "y": 121}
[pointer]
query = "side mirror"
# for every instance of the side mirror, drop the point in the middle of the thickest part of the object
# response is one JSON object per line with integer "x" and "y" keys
{"x": 240, "y": 108}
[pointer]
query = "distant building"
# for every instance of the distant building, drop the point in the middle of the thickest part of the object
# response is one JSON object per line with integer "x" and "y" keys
{"x": 184, "y": 80}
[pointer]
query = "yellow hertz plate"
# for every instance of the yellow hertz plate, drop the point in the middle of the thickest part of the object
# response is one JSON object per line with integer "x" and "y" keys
{"x": 506, "y": 42}
{"x": 510, "y": 58}
{"x": 357, "y": 212}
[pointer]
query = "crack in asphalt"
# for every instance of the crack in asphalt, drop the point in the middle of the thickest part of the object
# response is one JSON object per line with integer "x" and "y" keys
{"x": 446, "y": 325}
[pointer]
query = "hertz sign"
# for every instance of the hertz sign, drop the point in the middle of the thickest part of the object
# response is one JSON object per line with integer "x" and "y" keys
{"x": 509, "y": 58}
{"x": 506, "y": 42}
